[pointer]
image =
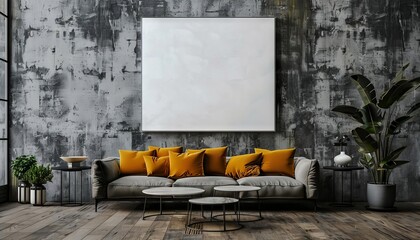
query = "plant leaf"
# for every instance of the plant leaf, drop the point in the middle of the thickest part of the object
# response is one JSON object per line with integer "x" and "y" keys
{"x": 396, "y": 124}
{"x": 365, "y": 88}
{"x": 364, "y": 140}
{"x": 371, "y": 118}
{"x": 366, "y": 160}
{"x": 395, "y": 93}
{"x": 413, "y": 108}
{"x": 400, "y": 74}
{"x": 350, "y": 111}
{"x": 396, "y": 163}
{"x": 392, "y": 156}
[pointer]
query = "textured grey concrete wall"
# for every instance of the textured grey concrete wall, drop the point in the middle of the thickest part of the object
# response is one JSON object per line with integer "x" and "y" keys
{"x": 76, "y": 80}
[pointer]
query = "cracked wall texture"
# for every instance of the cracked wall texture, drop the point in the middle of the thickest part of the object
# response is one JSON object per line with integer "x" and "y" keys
{"x": 76, "y": 77}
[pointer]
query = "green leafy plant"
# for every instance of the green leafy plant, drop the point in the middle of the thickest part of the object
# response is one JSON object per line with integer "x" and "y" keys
{"x": 39, "y": 174}
{"x": 381, "y": 121}
{"x": 21, "y": 165}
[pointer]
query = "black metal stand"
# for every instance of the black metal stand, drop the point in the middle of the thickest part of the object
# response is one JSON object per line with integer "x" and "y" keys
{"x": 160, "y": 209}
{"x": 350, "y": 170}
{"x": 239, "y": 213}
{"x": 194, "y": 226}
{"x": 154, "y": 215}
{"x": 74, "y": 170}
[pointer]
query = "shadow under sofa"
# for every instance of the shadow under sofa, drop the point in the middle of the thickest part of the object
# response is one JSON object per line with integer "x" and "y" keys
{"x": 109, "y": 184}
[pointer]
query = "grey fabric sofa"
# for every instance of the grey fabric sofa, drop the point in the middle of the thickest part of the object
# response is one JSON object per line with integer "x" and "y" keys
{"x": 109, "y": 184}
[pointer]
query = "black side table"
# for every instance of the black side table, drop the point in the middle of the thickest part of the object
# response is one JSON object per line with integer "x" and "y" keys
{"x": 350, "y": 170}
{"x": 74, "y": 170}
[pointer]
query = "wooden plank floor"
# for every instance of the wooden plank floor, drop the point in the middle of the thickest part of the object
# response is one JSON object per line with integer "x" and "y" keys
{"x": 122, "y": 220}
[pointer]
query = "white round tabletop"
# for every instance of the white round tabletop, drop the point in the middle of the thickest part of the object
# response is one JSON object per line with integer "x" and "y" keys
{"x": 213, "y": 200}
{"x": 236, "y": 188}
{"x": 173, "y": 191}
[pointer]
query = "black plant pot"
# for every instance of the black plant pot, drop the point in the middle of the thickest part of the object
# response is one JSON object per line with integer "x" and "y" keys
{"x": 38, "y": 195}
{"x": 381, "y": 197}
{"x": 23, "y": 192}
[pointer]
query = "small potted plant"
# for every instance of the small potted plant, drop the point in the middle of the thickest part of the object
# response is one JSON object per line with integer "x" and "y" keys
{"x": 38, "y": 175}
{"x": 19, "y": 168}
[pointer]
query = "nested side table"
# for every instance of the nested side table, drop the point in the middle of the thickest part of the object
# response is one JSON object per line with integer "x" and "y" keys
{"x": 237, "y": 190}
{"x": 74, "y": 170}
{"x": 350, "y": 170}
{"x": 211, "y": 201}
{"x": 161, "y": 192}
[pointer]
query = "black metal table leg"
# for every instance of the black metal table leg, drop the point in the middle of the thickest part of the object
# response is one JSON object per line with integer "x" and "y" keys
{"x": 144, "y": 207}
{"x": 69, "y": 179}
{"x": 61, "y": 188}
{"x": 259, "y": 203}
{"x": 342, "y": 187}
{"x": 75, "y": 187}
{"x": 160, "y": 205}
{"x": 351, "y": 187}
{"x": 239, "y": 207}
{"x": 81, "y": 187}
{"x": 333, "y": 186}
{"x": 224, "y": 217}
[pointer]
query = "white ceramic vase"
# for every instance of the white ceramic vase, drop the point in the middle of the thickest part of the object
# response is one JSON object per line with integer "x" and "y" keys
{"x": 342, "y": 159}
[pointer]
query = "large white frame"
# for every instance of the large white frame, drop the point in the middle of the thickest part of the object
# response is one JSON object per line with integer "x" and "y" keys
{"x": 208, "y": 74}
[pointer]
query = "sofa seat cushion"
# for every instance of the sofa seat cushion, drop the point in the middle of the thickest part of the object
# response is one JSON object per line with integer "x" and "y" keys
{"x": 205, "y": 182}
{"x": 274, "y": 187}
{"x": 132, "y": 186}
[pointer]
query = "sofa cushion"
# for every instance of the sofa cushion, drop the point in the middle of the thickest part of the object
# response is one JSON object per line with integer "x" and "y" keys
{"x": 274, "y": 187}
{"x": 186, "y": 164}
{"x": 244, "y": 165}
{"x": 205, "y": 182}
{"x": 132, "y": 186}
{"x": 157, "y": 166}
{"x": 277, "y": 162}
{"x": 214, "y": 160}
{"x": 162, "y": 152}
{"x": 132, "y": 162}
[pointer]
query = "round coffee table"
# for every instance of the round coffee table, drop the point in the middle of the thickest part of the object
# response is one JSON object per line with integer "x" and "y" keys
{"x": 211, "y": 201}
{"x": 237, "y": 190}
{"x": 161, "y": 192}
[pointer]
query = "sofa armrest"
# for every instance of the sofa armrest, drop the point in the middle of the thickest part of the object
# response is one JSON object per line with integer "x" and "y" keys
{"x": 104, "y": 171}
{"x": 307, "y": 172}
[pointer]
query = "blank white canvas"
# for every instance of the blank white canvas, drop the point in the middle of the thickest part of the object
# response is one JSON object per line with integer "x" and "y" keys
{"x": 208, "y": 74}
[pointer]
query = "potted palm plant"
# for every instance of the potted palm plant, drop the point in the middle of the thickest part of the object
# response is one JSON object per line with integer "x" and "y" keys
{"x": 381, "y": 120}
{"x": 39, "y": 175}
{"x": 19, "y": 168}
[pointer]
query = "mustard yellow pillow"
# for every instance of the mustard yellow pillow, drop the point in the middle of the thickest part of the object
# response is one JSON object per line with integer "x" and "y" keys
{"x": 162, "y": 152}
{"x": 244, "y": 166}
{"x": 186, "y": 164}
{"x": 132, "y": 162}
{"x": 277, "y": 162}
{"x": 214, "y": 160}
{"x": 157, "y": 166}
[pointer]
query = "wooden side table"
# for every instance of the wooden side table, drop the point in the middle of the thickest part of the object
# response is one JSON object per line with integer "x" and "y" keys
{"x": 75, "y": 170}
{"x": 350, "y": 170}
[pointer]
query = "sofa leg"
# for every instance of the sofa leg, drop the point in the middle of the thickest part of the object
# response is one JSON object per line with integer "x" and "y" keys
{"x": 315, "y": 206}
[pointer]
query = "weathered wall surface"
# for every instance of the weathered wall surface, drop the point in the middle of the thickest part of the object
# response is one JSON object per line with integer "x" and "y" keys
{"x": 76, "y": 80}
